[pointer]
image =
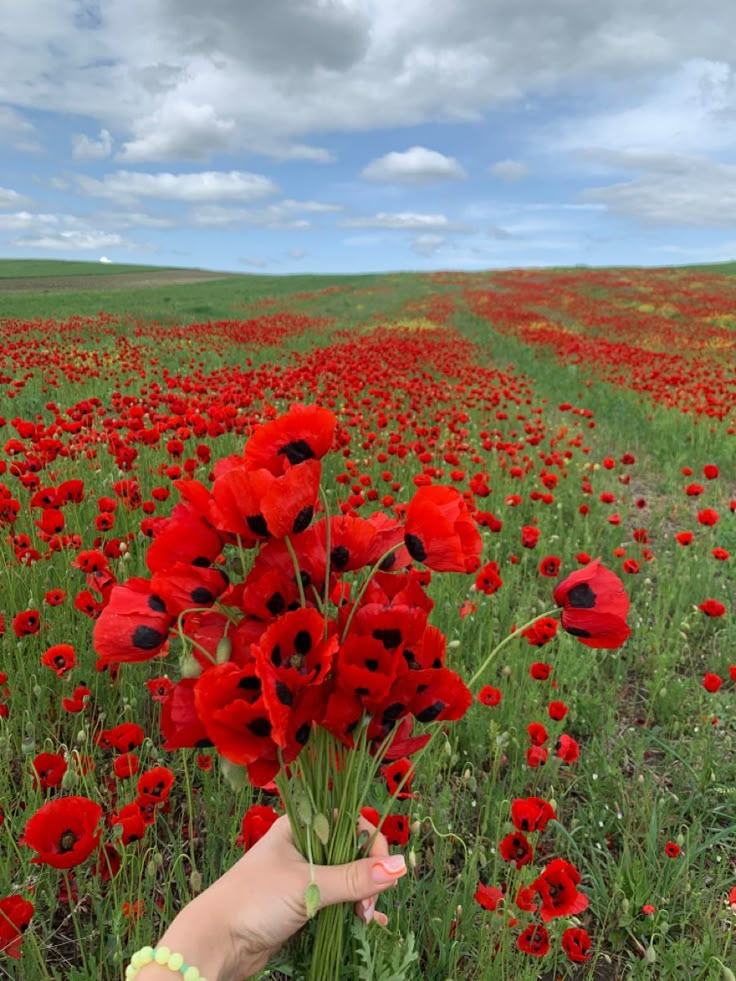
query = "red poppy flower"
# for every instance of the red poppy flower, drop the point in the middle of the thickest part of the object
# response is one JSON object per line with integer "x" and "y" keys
{"x": 537, "y": 756}
{"x": 48, "y": 770}
{"x": 440, "y": 531}
{"x": 397, "y": 772}
{"x": 26, "y": 623}
{"x": 576, "y": 944}
{"x": 181, "y": 727}
{"x": 540, "y": 671}
{"x": 229, "y": 702}
{"x": 515, "y": 848}
{"x": 671, "y": 849}
{"x": 488, "y": 695}
{"x": 708, "y": 517}
{"x": 257, "y": 821}
{"x": 550, "y": 566}
{"x": 185, "y": 537}
{"x": 531, "y": 814}
{"x": 530, "y": 536}
{"x": 124, "y": 738}
{"x": 257, "y": 504}
{"x": 60, "y": 658}
{"x": 63, "y": 832}
{"x": 567, "y": 749}
{"x": 160, "y": 688}
{"x": 684, "y": 538}
{"x": 132, "y": 822}
{"x": 712, "y": 608}
{"x": 125, "y": 766}
{"x": 15, "y": 916}
{"x": 712, "y": 682}
{"x": 533, "y": 940}
{"x": 541, "y": 632}
{"x": 594, "y": 606}
{"x": 305, "y": 432}
{"x": 134, "y": 625}
{"x": 557, "y": 711}
{"x": 55, "y": 597}
{"x": 489, "y": 897}
{"x": 525, "y": 899}
{"x": 557, "y": 888}
{"x": 181, "y": 587}
{"x": 155, "y": 785}
{"x": 78, "y": 701}
{"x": 488, "y": 580}
{"x": 537, "y": 733}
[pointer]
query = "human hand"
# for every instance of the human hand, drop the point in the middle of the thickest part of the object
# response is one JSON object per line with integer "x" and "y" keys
{"x": 234, "y": 928}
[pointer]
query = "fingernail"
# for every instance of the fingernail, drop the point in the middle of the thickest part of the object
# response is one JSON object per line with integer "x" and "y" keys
{"x": 369, "y": 908}
{"x": 388, "y": 869}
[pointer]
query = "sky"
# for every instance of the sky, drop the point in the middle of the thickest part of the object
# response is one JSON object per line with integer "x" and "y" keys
{"x": 341, "y": 136}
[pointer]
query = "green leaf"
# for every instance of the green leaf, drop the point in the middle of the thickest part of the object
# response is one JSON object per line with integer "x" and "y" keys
{"x": 311, "y": 899}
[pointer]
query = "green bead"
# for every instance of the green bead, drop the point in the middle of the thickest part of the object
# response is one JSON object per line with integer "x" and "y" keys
{"x": 162, "y": 955}
{"x": 175, "y": 962}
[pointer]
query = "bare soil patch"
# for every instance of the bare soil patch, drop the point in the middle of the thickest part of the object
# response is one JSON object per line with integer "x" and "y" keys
{"x": 115, "y": 281}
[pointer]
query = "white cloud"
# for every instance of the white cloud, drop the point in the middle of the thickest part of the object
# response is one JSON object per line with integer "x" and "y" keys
{"x": 179, "y": 130}
{"x": 297, "y": 254}
{"x": 427, "y": 245}
{"x": 417, "y": 165}
{"x": 404, "y": 220}
{"x": 265, "y": 74}
{"x": 234, "y": 185}
{"x": 11, "y": 199}
{"x": 673, "y": 190}
{"x": 253, "y": 262}
{"x": 273, "y": 216}
{"x": 17, "y": 131}
{"x": 509, "y": 170}
{"x": 75, "y": 241}
{"x": 86, "y": 148}
{"x": 105, "y": 261}
{"x": 61, "y": 232}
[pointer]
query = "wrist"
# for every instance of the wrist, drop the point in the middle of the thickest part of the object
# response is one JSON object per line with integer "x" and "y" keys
{"x": 199, "y": 938}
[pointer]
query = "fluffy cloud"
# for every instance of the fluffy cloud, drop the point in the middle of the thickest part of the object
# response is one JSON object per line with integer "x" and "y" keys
{"x": 17, "y": 131}
{"x": 426, "y": 245}
{"x": 418, "y": 165}
{"x": 74, "y": 241}
{"x": 673, "y": 190}
{"x": 261, "y": 75}
{"x": 406, "y": 220}
{"x": 61, "y": 232}
{"x": 234, "y": 185}
{"x": 509, "y": 170}
{"x": 86, "y": 148}
{"x": 281, "y": 215}
{"x": 11, "y": 199}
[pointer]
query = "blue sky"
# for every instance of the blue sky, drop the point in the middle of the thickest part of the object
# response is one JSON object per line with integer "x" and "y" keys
{"x": 367, "y": 135}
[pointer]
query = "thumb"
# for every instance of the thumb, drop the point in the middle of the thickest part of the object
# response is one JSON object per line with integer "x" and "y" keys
{"x": 358, "y": 880}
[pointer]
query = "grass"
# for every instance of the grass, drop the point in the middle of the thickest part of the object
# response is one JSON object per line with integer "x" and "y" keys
{"x": 658, "y": 753}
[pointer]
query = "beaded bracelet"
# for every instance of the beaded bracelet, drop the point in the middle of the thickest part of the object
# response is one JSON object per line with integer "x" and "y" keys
{"x": 164, "y": 958}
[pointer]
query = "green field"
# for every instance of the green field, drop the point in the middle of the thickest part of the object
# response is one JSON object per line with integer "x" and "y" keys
{"x": 599, "y": 409}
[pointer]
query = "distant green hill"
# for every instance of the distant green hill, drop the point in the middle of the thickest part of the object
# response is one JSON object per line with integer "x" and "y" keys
{"x": 34, "y": 268}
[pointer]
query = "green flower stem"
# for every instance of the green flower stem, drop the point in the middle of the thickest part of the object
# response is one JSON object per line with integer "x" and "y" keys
{"x": 507, "y": 640}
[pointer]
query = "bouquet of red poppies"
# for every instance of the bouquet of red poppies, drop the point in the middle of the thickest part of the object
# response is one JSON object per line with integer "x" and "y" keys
{"x": 306, "y": 642}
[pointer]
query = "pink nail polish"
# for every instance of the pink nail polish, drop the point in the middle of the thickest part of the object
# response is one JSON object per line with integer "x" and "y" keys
{"x": 389, "y": 869}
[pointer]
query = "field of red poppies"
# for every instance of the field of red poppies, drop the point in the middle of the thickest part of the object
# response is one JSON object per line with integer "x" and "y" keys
{"x": 468, "y": 447}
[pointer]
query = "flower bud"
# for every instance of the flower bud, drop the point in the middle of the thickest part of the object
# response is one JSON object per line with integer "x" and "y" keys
{"x": 195, "y": 882}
